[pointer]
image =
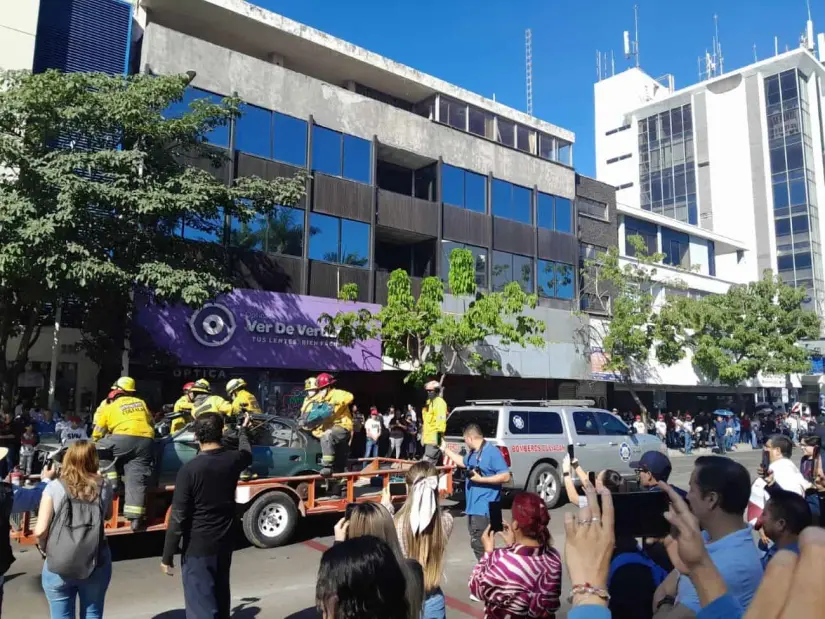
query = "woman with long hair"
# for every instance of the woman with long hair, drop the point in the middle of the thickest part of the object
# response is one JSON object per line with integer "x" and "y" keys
{"x": 608, "y": 478}
{"x": 79, "y": 482}
{"x": 373, "y": 519}
{"x": 812, "y": 470}
{"x": 424, "y": 530}
{"x": 522, "y": 580}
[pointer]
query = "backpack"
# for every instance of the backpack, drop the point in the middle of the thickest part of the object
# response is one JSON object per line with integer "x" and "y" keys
{"x": 657, "y": 572}
{"x": 75, "y": 537}
{"x": 317, "y": 415}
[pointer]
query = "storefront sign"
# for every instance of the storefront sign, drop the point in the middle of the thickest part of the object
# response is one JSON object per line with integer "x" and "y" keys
{"x": 257, "y": 329}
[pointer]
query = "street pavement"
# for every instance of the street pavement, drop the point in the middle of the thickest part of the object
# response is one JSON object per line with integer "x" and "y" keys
{"x": 266, "y": 583}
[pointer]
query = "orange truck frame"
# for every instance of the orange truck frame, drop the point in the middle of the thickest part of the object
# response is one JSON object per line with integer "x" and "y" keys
{"x": 270, "y": 508}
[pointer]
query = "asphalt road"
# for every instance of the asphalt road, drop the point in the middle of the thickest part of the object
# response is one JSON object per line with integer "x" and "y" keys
{"x": 265, "y": 583}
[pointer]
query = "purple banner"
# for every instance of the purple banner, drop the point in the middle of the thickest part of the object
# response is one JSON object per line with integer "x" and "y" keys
{"x": 257, "y": 329}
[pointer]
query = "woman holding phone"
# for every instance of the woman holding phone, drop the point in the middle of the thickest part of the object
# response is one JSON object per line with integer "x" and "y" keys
{"x": 522, "y": 579}
{"x": 813, "y": 471}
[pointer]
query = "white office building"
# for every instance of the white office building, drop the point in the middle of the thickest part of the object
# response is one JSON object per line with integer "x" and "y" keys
{"x": 724, "y": 177}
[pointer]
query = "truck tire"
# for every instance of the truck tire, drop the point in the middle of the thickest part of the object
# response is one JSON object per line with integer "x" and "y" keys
{"x": 544, "y": 480}
{"x": 271, "y": 520}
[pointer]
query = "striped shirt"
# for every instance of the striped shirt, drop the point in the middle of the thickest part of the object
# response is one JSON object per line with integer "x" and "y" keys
{"x": 519, "y": 582}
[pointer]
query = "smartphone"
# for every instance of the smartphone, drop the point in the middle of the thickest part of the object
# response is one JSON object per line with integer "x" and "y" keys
{"x": 496, "y": 520}
{"x": 349, "y": 510}
{"x": 640, "y": 514}
{"x": 766, "y": 461}
{"x": 398, "y": 488}
{"x": 592, "y": 477}
{"x": 571, "y": 451}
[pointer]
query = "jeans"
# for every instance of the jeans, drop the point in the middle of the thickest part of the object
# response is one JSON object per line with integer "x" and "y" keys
{"x": 688, "y": 443}
{"x": 434, "y": 606}
{"x": 372, "y": 449}
{"x": 477, "y": 526}
{"x": 754, "y": 440}
{"x": 61, "y": 593}
{"x": 206, "y": 586}
{"x": 746, "y": 436}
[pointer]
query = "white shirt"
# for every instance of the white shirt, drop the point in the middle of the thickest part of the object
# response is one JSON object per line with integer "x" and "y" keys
{"x": 387, "y": 419}
{"x": 640, "y": 427}
{"x": 688, "y": 427}
{"x": 411, "y": 412}
{"x": 661, "y": 428}
{"x": 373, "y": 428}
{"x": 787, "y": 476}
{"x": 71, "y": 435}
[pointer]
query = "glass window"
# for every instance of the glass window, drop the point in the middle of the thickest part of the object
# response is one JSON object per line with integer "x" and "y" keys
{"x": 209, "y": 230}
{"x": 502, "y": 270}
{"x": 523, "y": 272}
{"x": 565, "y": 153}
{"x": 290, "y": 139}
{"x": 323, "y": 241}
{"x": 519, "y": 423}
{"x": 326, "y": 150}
{"x": 447, "y": 248}
{"x": 502, "y": 196}
{"x": 797, "y": 191}
{"x": 612, "y": 426}
{"x": 453, "y": 113}
{"x": 565, "y": 285}
{"x": 522, "y": 204}
{"x": 485, "y": 419}
{"x": 772, "y": 90}
{"x": 282, "y": 232}
{"x": 803, "y": 260}
{"x": 254, "y": 131}
{"x": 479, "y": 253}
{"x": 564, "y": 215}
{"x": 357, "y": 159}
{"x": 525, "y": 139}
{"x": 475, "y": 192}
{"x": 481, "y": 123}
{"x": 712, "y": 258}
{"x": 782, "y": 227}
{"x": 219, "y": 136}
{"x": 546, "y": 278}
{"x": 355, "y": 243}
{"x": 452, "y": 185}
{"x": 592, "y": 208}
{"x": 250, "y": 234}
{"x": 545, "y": 422}
{"x": 785, "y": 263}
{"x": 780, "y": 195}
{"x": 545, "y": 211}
{"x": 794, "y": 155}
{"x": 506, "y": 132}
{"x": 546, "y": 147}
{"x": 511, "y": 201}
{"x": 585, "y": 422}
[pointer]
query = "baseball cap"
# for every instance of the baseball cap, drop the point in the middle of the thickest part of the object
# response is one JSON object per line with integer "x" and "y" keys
{"x": 655, "y": 463}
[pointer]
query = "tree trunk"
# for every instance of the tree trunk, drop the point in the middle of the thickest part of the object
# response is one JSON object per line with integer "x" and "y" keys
{"x": 639, "y": 403}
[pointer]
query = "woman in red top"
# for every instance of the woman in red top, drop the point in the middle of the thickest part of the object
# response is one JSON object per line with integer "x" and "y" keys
{"x": 522, "y": 580}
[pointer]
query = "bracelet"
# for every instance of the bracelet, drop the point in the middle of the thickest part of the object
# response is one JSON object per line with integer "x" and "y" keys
{"x": 587, "y": 589}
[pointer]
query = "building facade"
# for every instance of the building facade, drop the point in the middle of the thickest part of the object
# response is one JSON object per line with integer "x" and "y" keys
{"x": 723, "y": 177}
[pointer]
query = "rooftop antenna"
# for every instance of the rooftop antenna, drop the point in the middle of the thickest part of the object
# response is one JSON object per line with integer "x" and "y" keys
{"x": 775, "y": 45}
{"x": 528, "y": 50}
{"x": 719, "y": 60}
{"x": 755, "y": 58}
{"x": 809, "y": 43}
{"x": 612, "y": 64}
{"x": 598, "y": 65}
{"x": 631, "y": 48}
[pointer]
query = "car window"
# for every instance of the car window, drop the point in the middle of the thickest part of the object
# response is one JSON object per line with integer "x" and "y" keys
{"x": 585, "y": 422}
{"x": 545, "y": 422}
{"x": 611, "y": 425}
{"x": 486, "y": 419}
{"x": 519, "y": 422}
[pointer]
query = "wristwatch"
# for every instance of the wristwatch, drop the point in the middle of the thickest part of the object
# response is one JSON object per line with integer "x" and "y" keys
{"x": 668, "y": 600}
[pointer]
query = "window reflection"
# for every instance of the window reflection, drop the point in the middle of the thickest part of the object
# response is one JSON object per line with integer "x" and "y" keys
{"x": 204, "y": 229}
{"x": 290, "y": 139}
{"x": 512, "y": 201}
{"x": 555, "y": 280}
{"x": 281, "y": 232}
{"x": 326, "y": 151}
{"x": 339, "y": 154}
{"x": 464, "y": 189}
{"x": 339, "y": 241}
{"x": 253, "y": 133}
{"x": 479, "y": 254}
{"x": 219, "y": 136}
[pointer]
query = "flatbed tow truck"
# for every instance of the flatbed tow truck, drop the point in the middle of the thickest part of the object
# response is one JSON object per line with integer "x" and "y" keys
{"x": 270, "y": 508}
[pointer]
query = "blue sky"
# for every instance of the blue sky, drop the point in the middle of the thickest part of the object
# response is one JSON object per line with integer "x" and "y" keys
{"x": 479, "y": 44}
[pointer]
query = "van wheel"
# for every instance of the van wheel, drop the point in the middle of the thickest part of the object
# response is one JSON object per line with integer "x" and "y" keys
{"x": 545, "y": 482}
{"x": 271, "y": 520}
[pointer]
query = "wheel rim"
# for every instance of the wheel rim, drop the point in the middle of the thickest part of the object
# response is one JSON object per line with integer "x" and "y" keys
{"x": 546, "y": 487}
{"x": 272, "y": 520}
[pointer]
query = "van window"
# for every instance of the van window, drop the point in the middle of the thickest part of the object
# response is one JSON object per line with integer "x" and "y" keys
{"x": 545, "y": 422}
{"x": 611, "y": 425}
{"x": 486, "y": 419}
{"x": 519, "y": 422}
{"x": 585, "y": 422}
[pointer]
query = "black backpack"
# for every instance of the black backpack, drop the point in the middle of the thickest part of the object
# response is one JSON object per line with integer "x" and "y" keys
{"x": 76, "y": 537}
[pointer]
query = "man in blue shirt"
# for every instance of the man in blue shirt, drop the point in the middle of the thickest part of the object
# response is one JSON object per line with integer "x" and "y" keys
{"x": 652, "y": 468}
{"x": 720, "y": 426}
{"x": 487, "y": 471}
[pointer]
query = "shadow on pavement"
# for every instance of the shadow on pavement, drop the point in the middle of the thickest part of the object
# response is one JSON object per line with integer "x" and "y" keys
{"x": 241, "y": 611}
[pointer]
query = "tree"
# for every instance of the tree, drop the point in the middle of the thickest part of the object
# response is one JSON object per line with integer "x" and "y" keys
{"x": 419, "y": 337}
{"x": 752, "y": 328}
{"x": 96, "y": 181}
{"x": 638, "y": 331}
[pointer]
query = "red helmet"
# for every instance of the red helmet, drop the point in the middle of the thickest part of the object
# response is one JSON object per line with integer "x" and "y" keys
{"x": 325, "y": 380}
{"x": 188, "y": 386}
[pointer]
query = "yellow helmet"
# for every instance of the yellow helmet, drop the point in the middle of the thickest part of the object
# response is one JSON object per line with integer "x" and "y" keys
{"x": 201, "y": 386}
{"x": 235, "y": 384}
{"x": 311, "y": 384}
{"x": 125, "y": 383}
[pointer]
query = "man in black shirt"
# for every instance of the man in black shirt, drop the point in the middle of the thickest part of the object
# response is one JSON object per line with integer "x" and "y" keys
{"x": 203, "y": 513}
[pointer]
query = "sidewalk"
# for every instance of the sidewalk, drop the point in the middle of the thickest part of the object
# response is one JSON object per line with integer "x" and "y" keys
{"x": 706, "y": 451}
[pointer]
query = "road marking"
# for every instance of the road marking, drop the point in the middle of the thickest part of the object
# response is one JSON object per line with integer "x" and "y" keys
{"x": 452, "y": 603}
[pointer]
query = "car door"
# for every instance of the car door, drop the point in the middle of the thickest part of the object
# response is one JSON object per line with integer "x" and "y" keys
{"x": 622, "y": 446}
{"x": 590, "y": 446}
{"x": 280, "y": 453}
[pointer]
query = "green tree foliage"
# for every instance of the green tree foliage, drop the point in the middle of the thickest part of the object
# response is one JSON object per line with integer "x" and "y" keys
{"x": 95, "y": 183}
{"x": 420, "y": 338}
{"x": 637, "y": 332}
{"x": 752, "y": 328}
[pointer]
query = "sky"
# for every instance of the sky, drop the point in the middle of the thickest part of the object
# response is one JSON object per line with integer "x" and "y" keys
{"x": 479, "y": 44}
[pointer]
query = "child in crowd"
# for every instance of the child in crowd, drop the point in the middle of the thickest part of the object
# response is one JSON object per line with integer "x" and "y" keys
{"x": 73, "y": 432}
{"x": 28, "y": 440}
{"x": 785, "y": 515}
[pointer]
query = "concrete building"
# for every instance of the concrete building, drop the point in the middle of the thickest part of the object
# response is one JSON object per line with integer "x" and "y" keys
{"x": 724, "y": 177}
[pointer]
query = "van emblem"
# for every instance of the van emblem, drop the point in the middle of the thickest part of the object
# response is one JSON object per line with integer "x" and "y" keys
{"x": 518, "y": 421}
{"x": 624, "y": 452}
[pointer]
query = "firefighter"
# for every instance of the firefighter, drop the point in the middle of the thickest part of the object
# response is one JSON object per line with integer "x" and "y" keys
{"x": 203, "y": 401}
{"x": 124, "y": 425}
{"x": 242, "y": 400}
{"x": 311, "y": 388}
{"x": 434, "y": 418}
{"x": 182, "y": 405}
{"x": 335, "y": 431}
